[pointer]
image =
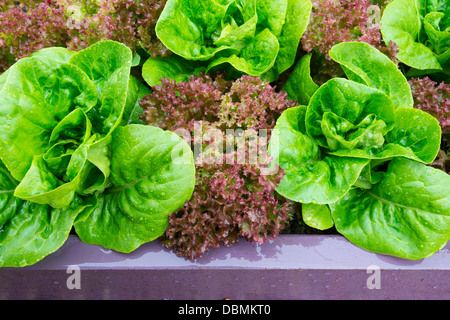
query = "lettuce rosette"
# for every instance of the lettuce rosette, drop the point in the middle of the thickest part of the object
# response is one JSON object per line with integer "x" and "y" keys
{"x": 73, "y": 155}
{"x": 356, "y": 157}
{"x": 258, "y": 38}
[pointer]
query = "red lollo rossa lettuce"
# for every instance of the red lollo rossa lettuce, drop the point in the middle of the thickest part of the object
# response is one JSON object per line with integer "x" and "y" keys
{"x": 178, "y": 105}
{"x": 230, "y": 201}
{"x": 251, "y": 103}
{"x": 77, "y": 25}
{"x": 233, "y": 199}
{"x": 433, "y": 98}
{"x": 131, "y": 22}
{"x": 25, "y": 30}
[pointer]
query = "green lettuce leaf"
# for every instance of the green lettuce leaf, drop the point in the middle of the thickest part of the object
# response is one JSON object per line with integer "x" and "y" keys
{"x": 288, "y": 25}
{"x": 136, "y": 91}
{"x": 155, "y": 69}
{"x": 71, "y": 155}
{"x": 52, "y": 178}
{"x": 38, "y": 93}
{"x": 30, "y": 231}
{"x": 64, "y": 148}
{"x": 417, "y": 131}
{"x": 259, "y": 38}
{"x": 438, "y": 31}
{"x": 300, "y": 86}
{"x": 355, "y": 157}
{"x": 317, "y": 216}
{"x": 407, "y": 214}
{"x": 415, "y": 26}
{"x": 344, "y": 114}
{"x": 362, "y": 63}
{"x": 310, "y": 176}
{"x": 153, "y": 174}
{"x": 58, "y": 54}
{"x": 416, "y": 135}
{"x": 107, "y": 64}
{"x": 185, "y": 26}
{"x": 256, "y": 58}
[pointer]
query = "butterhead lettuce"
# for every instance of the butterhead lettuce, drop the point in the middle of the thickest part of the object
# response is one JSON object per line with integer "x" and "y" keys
{"x": 356, "y": 158}
{"x": 70, "y": 152}
{"x": 258, "y": 38}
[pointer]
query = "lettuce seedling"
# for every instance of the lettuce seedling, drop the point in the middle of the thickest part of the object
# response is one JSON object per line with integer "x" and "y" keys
{"x": 71, "y": 155}
{"x": 258, "y": 38}
{"x": 421, "y": 30}
{"x": 356, "y": 157}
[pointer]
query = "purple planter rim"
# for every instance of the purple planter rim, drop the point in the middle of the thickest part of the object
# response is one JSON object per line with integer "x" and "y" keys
{"x": 287, "y": 267}
{"x": 283, "y": 252}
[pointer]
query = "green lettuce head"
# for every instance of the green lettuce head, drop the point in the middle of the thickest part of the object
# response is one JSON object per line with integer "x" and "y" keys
{"x": 258, "y": 38}
{"x": 72, "y": 154}
{"x": 356, "y": 158}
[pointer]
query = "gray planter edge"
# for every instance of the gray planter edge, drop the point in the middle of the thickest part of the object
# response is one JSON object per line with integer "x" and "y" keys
{"x": 289, "y": 267}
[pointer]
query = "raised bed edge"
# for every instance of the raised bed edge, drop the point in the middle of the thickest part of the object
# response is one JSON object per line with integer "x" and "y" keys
{"x": 288, "y": 267}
